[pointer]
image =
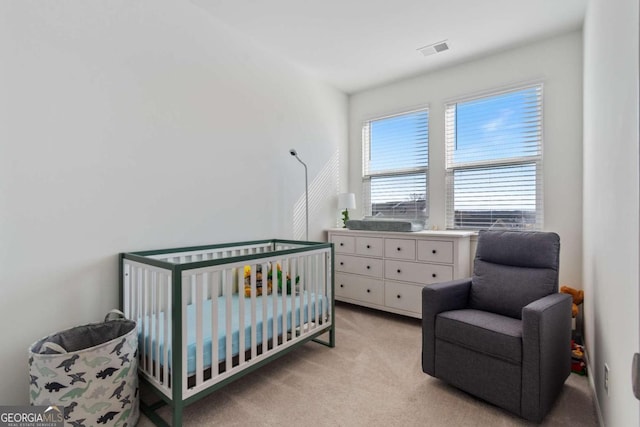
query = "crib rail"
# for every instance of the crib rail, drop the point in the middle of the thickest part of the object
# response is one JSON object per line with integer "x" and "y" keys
{"x": 222, "y": 252}
{"x": 202, "y": 318}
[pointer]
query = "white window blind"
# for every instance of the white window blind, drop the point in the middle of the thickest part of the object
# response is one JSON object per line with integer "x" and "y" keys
{"x": 395, "y": 166}
{"x": 494, "y": 161}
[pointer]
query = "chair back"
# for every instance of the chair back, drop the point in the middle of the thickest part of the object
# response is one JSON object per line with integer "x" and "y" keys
{"x": 512, "y": 269}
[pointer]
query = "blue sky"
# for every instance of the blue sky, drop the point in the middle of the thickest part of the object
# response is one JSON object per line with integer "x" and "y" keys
{"x": 498, "y": 128}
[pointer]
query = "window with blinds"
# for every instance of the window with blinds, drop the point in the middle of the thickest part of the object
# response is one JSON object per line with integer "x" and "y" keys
{"x": 395, "y": 166}
{"x": 494, "y": 161}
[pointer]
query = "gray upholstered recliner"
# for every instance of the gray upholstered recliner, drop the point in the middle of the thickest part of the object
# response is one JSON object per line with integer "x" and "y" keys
{"x": 504, "y": 334}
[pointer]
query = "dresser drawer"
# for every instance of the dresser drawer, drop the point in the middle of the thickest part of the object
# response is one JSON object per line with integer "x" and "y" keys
{"x": 359, "y": 288}
{"x": 344, "y": 244}
{"x": 418, "y": 273}
{"x": 372, "y": 246}
{"x": 359, "y": 265}
{"x": 435, "y": 251}
{"x": 400, "y": 248}
{"x": 403, "y": 296}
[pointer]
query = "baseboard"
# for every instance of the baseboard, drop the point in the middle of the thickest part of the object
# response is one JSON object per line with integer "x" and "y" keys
{"x": 592, "y": 384}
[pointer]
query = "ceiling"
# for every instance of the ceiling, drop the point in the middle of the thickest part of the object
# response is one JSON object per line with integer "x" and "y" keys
{"x": 358, "y": 44}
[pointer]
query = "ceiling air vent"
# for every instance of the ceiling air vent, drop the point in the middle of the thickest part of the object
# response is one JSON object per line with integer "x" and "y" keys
{"x": 434, "y": 48}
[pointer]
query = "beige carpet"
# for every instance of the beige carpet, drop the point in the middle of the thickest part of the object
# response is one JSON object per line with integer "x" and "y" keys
{"x": 371, "y": 378}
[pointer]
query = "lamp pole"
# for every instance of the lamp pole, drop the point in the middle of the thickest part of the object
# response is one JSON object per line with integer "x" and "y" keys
{"x": 294, "y": 153}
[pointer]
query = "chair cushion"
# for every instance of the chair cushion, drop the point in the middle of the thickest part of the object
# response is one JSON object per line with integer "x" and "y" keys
{"x": 484, "y": 332}
{"x": 533, "y": 249}
{"x": 505, "y": 290}
{"x": 513, "y": 269}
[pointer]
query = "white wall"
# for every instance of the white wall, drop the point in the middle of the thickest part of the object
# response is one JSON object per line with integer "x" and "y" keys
{"x": 129, "y": 125}
{"x": 558, "y": 63}
{"x": 611, "y": 203}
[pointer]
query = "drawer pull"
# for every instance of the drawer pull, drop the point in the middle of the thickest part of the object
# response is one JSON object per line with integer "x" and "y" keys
{"x": 433, "y": 275}
{"x": 368, "y": 246}
{"x": 341, "y": 285}
{"x": 368, "y": 267}
{"x": 399, "y": 249}
{"x": 398, "y": 296}
{"x": 341, "y": 263}
{"x": 398, "y": 271}
{"x": 368, "y": 290}
{"x": 341, "y": 244}
{"x": 433, "y": 251}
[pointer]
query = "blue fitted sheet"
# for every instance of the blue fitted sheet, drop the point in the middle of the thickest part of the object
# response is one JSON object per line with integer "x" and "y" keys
{"x": 236, "y": 300}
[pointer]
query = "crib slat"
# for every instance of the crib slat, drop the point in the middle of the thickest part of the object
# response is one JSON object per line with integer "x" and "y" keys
{"x": 199, "y": 335}
{"x": 265, "y": 317}
{"x": 254, "y": 317}
{"x": 317, "y": 290}
{"x": 144, "y": 316}
{"x": 283, "y": 289}
{"x": 326, "y": 312}
{"x": 274, "y": 300}
{"x": 155, "y": 351}
{"x": 310, "y": 294}
{"x": 295, "y": 268}
{"x": 300, "y": 294}
{"x": 320, "y": 300}
{"x": 167, "y": 330}
{"x": 229, "y": 308}
{"x": 241, "y": 344}
{"x": 307, "y": 295}
{"x": 126, "y": 291}
{"x": 185, "y": 294}
{"x": 215, "y": 292}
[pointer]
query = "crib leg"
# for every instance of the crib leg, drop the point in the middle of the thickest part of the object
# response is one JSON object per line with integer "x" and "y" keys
{"x": 332, "y": 338}
{"x": 177, "y": 415}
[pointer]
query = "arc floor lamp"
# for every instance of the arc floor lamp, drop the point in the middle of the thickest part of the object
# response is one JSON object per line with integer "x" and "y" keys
{"x": 294, "y": 153}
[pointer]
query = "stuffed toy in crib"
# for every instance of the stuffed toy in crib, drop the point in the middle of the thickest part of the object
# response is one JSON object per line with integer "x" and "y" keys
{"x": 247, "y": 280}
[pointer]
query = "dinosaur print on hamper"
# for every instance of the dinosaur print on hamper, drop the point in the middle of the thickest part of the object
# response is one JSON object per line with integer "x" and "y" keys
{"x": 123, "y": 374}
{"x": 123, "y": 417}
{"x": 93, "y": 363}
{"x": 99, "y": 391}
{"x": 107, "y": 417}
{"x": 69, "y": 409}
{"x": 76, "y": 392}
{"x": 67, "y": 364}
{"x": 97, "y": 385}
{"x": 125, "y": 401}
{"x": 54, "y": 387}
{"x": 124, "y": 359}
{"x": 100, "y": 406}
{"x": 77, "y": 378}
{"x": 106, "y": 373}
{"x": 118, "y": 392}
{"x": 118, "y": 348}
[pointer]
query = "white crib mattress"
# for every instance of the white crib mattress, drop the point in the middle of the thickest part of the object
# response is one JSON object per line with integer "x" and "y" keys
{"x": 152, "y": 338}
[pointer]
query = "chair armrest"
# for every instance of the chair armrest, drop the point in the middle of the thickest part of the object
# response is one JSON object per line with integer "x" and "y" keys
{"x": 546, "y": 352}
{"x": 436, "y": 299}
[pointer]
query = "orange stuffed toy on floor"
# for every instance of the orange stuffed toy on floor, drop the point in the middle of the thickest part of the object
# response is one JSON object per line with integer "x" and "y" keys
{"x": 577, "y": 295}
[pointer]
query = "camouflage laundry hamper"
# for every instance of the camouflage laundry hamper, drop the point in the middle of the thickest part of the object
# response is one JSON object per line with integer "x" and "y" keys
{"x": 90, "y": 370}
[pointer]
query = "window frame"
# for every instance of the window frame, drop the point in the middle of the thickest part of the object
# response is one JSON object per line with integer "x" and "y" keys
{"x": 368, "y": 176}
{"x": 451, "y": 167}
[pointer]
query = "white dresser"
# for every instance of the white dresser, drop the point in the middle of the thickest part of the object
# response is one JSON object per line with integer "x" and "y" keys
{"x": 387, "y": 270}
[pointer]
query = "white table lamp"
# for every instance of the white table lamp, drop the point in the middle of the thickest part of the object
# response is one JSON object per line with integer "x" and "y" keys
{"x": 346, "y": 201}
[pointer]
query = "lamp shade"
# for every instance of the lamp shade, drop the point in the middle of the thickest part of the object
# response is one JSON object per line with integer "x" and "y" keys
{"x": 346, "y": 201}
